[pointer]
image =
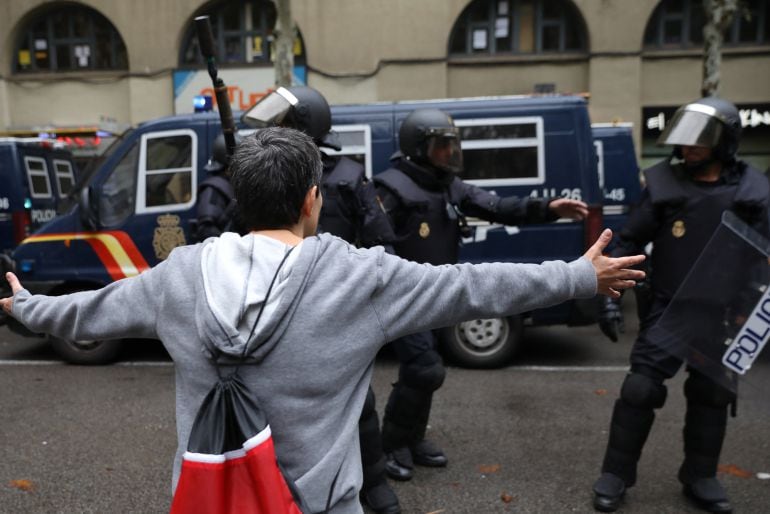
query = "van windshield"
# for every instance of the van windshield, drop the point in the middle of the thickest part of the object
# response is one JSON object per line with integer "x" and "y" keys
{"x": 95, "y": 164}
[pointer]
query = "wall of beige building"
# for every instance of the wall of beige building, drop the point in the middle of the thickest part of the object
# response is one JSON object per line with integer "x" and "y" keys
{"x": 369, "y": 50}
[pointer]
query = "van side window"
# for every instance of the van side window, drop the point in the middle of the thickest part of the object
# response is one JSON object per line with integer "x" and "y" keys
{"x": 167, "y": 172}
{"x": 117, "y": 200}
{"x": 65, "y": 178}
{"x": 503, "y": 151}
{"x": 356, "y": 143}
{"x": 37, "y": 175}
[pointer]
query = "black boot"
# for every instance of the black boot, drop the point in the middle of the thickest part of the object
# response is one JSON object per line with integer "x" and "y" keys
{"x": 381, "y": 498}
{"x": 608, "y": 492}
{"x": 709, "y": 495}
{"x": 399, "y": 464}
{"x": 426, "y": 453}
{"x": 629, "y": 429}
{"x": 704, "y": 432}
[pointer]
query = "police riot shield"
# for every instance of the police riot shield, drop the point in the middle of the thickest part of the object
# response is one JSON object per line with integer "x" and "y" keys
{"x": 719, "y": 319}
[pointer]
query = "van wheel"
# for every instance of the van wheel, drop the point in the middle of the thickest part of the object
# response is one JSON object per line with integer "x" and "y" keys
{"x": 85, "y": 352}
{"x": 483, "y": 343}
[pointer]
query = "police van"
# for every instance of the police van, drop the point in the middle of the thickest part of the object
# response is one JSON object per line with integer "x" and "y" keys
{"x": 36, "y": 179}
{"x": 136, "y": 206}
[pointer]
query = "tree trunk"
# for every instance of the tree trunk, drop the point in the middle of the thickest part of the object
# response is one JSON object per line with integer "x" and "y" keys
{"x": 284, "y": 44}
{"x": 719, "y": 17}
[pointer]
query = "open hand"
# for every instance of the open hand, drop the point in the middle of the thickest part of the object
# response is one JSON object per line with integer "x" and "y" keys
{"x": 566, "y": 208}
{"x": 613, "y": 273}
{"x": 7, "y": 303}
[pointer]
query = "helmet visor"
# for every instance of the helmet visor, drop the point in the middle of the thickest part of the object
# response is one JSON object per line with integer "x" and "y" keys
{"x": 271, "y": 110}
{"x": 443, "y": 149}
{"x": 692, "y": 126}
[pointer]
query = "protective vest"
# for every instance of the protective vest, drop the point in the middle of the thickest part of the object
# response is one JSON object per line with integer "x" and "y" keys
{"x": 341, "y": 206}
{"x": 689, "y": 213}
{"x": 431, "y": 232}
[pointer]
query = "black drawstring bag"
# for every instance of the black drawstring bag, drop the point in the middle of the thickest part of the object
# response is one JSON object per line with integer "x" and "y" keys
{"x": 230, "y": 466}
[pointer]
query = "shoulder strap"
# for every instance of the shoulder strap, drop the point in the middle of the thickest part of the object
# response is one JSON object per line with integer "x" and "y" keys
{"x": 664, "y": 185}
{"x": 347, "y": 170}
{"x": 221, "y": 184}
{"x": 403, "y": 187}
{"x": 262, "y": 309}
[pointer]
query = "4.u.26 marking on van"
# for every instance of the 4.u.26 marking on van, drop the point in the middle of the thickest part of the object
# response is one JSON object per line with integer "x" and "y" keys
{"x": 552, "y": 192}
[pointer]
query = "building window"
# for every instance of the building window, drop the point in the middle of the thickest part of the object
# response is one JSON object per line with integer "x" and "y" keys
{"x": 243, "y": 34}
{"x": 494, "y": 27}
{"x": 70, "y": 38}
{"x": 677, "y": 24}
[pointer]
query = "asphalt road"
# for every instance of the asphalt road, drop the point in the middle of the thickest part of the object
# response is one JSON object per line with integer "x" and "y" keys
{"x": 526, "y": 438}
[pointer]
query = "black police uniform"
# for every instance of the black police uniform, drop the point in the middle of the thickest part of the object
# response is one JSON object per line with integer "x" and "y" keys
{"x": 678, "y": 215}
{"x": 350, "y": 209}
{"x": 215, "y": 207}
{"x": 427, "y": 208}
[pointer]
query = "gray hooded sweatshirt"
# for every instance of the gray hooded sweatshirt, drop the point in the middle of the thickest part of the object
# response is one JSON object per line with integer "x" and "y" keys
{"x": 331, "y": 309}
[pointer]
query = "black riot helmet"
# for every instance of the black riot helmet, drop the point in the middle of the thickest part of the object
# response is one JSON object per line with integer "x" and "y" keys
{"x": 711, "y": 122}
{"x": 430, "y": 137}
{"x": 219, "y": 160}
{"x": 299, "y": 107}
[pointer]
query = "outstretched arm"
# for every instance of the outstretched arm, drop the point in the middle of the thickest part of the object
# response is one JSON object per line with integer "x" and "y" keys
{"x": 514, "y": 210}
{"x": 414, "y": 297}
{"x": 126, "y": 308}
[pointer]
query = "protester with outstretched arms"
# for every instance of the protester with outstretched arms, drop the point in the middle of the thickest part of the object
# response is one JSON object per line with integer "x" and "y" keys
{"x": 202, "y": 302}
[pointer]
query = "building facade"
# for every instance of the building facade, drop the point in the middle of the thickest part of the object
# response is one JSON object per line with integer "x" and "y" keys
{"x": 111, "y": 63}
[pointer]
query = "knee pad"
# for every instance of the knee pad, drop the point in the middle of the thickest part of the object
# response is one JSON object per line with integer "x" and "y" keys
{"x": 701, "y": 390}
{"x": 425, "y": 378}
{"x": 643, "y": 392}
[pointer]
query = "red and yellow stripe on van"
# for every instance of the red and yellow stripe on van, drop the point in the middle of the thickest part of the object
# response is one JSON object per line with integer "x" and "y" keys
{"x": 116, "y": 250}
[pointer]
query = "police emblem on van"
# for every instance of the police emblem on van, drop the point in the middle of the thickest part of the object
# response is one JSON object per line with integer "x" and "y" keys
{"x": 167, "y": 236}
{"x": 678, "y": 230}
{"x": 424, "y": 230}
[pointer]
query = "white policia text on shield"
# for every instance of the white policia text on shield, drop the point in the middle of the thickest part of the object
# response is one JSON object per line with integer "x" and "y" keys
{"x": 719, "y": 319}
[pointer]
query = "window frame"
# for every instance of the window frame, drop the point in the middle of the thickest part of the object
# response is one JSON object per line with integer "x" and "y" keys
{"x": 221, "y": 34}
{"x": 660, "y": 15}
{"x": 69, "y": 174}
{"x": 94, "y": 20}
{"x": 143, "y": 172}
{"x": 44, "y": 173}
{"x": 539, "y": 24}
{"x": 366, "y": 149}
{"x": 537, "y": 142}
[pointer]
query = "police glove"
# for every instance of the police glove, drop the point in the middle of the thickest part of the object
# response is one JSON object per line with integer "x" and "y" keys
{"x": 611, "y": 318}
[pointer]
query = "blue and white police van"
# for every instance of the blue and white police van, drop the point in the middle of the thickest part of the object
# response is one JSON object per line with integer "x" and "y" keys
{"x": 36, "y": 179}
{"x": 136, "y": 205}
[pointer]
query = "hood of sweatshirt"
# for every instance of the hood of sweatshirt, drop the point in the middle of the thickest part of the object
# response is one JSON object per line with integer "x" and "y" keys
{"x": 237, "y": 273}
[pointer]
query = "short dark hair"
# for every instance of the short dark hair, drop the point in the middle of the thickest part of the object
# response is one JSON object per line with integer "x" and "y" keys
{"x": 272, "y": 171}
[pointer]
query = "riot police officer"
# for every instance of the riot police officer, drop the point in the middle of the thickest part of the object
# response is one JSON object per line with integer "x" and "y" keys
{"x": 215, "y": 207}
{"x": 428, "y": 204}
{"x": 350, "y": 211}
{"x": 680, "y": 208}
